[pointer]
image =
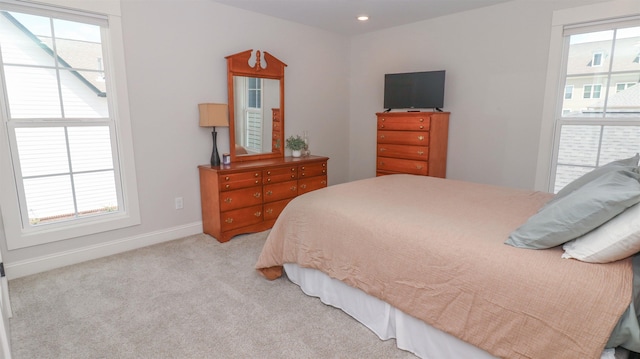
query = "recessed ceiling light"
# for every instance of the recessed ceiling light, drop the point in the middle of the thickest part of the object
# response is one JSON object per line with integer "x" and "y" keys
{"x": 363, "y": 18}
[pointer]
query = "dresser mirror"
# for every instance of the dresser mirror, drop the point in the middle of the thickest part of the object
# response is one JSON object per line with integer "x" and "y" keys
{"x": 255, "y": 83}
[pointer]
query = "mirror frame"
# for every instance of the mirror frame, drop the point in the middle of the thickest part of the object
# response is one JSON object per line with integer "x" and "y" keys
{"x": 238, "y": 65}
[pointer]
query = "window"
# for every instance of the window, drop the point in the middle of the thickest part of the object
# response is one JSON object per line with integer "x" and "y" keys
{"x": 623, "y": 86}
{"x": 568, "y": 92}
{"x": 61, "y": 127}
{"x": 592, "y": 91}
{"x": 596, "y": 60}
{"x": 605, "y": 124}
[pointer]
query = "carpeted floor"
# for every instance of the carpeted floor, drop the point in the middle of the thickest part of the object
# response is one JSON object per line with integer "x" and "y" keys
{"x": 188, "y": 298}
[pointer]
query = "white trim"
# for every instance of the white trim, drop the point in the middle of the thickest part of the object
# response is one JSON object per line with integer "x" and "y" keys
{"x": 44, "y": 263}
{"x": 561, "y": 18}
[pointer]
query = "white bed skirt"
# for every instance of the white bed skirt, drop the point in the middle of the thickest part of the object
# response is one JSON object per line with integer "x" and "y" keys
{"x": 388, "y": 322}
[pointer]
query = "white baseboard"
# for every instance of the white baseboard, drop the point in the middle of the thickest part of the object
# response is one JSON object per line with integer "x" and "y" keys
{"x": 61, "y": 259}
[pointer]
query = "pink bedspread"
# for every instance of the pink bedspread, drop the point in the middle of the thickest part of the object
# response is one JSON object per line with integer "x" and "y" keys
{"x": 434, "y": 248}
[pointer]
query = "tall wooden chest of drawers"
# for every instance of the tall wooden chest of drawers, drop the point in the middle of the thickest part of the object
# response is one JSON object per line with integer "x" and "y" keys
{"x": 246, "y": 197}
{"x": 412, "y": 142}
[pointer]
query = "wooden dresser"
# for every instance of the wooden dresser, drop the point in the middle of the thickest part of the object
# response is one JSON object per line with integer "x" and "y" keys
{"x": 247, "y": 197}
{"x": 412, "y": 142}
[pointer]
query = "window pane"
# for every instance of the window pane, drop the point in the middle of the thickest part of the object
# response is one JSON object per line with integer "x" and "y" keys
{"x": 90, "y": 148}
{"x": 22, "y": 45}
{"x": 79, "y": 45}
{"x": 579, "y": 145}
{"x": 32, "y": 92}
{"x": 627, "y": 50}
{"x": 95, "y": 193}
{"x": 49, "y": 199}
{"x": 624, "y": 95}
{"x": 585, "y": 47}
{"x": 79, "y": 96}
{"x": 42, "y": 151}
{"x": 588, "y": 96}
{"x": 619, "y": 142}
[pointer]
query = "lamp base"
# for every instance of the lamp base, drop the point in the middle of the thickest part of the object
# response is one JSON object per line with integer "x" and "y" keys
{"x": 215, "y": 157}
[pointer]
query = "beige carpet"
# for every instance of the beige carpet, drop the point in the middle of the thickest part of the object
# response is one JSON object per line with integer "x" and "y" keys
{"x": 189, "y": 298}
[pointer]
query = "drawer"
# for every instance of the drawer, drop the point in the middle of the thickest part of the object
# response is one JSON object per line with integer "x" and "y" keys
{"x": 233, "y": 181}
{"x": 313, "y": 169}
{"x": 241, "y": 217}
{"x": 240, "y": 198}
{"x": 420, "y": 153}
{"x": 282, "y": 190}
{"x": 311, "y": 184}
{"x": 404, "y": 138}
{"x": 417, "y": 123}
{"x": 272, "y": 210}
{"x": 279, "y": 174}
{"x": 401, "y": 165}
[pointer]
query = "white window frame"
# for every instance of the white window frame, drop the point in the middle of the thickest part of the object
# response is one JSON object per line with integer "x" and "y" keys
{"x": 561, "y": 18}
{"x": 114, "y": 65}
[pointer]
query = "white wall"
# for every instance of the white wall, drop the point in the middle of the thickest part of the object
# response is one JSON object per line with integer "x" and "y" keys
{"x": 496, "y": 60}
{"x": 175, "y": 53}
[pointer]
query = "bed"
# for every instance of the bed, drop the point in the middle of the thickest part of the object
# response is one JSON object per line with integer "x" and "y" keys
{"x": 424, "y": 260}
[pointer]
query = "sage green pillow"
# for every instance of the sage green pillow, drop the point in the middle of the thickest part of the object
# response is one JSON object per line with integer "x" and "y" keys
{"x": 580, "y": 211}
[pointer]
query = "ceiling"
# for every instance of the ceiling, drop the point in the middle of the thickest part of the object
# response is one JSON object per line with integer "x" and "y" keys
{"x": 339, "y": 16}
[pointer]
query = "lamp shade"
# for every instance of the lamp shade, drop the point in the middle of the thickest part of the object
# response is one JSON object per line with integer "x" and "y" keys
{"x": 214, "y": 114}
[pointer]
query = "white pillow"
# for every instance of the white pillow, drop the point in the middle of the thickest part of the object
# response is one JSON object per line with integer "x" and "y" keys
{"x": 616, "y": 239}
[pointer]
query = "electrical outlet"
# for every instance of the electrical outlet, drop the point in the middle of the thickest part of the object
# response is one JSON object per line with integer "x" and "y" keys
{"x": 179, "y": 203}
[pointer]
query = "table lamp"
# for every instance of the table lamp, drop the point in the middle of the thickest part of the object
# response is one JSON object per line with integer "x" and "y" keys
{"x": 212, "y": 115}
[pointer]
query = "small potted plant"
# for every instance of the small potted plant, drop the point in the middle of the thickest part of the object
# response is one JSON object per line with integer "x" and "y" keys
{"x": 295, "y": 144}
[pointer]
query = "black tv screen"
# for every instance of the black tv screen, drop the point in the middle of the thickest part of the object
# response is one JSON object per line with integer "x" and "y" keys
{"x": 414, "y": 90}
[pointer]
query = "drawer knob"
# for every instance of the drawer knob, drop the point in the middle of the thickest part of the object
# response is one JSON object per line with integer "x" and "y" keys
{"x": 381, "y": 163}
{"x": 324, "y": 165}
{"x": 302, "y": 168}
{"x": 227, "y": 186}
{"x": 421, "y": 127}
{"x": 269, "y": 210}
{"x": 324, "y": 171}
{"x": 269, "y": 173}
{"x": 419, "y": 167}
{"x": 302, "y": 174}
{"x": 228, "y": 199}
{"x": 381, "y": 126}
{"x": 293, "y": 188}
{"x": 256, "y": 174}
{"x": 422, "y": 120}
{"x": 257, "y": 194}
{"x": 420, "y": 138}
{"x": 382, "y": 149}
{"x": 226, "y": 178}
{"x": 293, "y": 176}
{"x": 382, "y": 137}
{"x": 269, "y": 193}
{"x": 257, "y": 214}
{"x": 293, "y": 169}
{"x": 323, "y": 182}
{"x": 382, "y": 119}
{"x": 257, "y": 181}
{"x": 268, "y": 179}
{"x": 229, "y": 220}
{"x": 421, "y": 153}
{"x": 303, "y": 186}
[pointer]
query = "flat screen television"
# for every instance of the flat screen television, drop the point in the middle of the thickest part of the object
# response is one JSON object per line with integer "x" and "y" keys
{"x": 414, "y": 90}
